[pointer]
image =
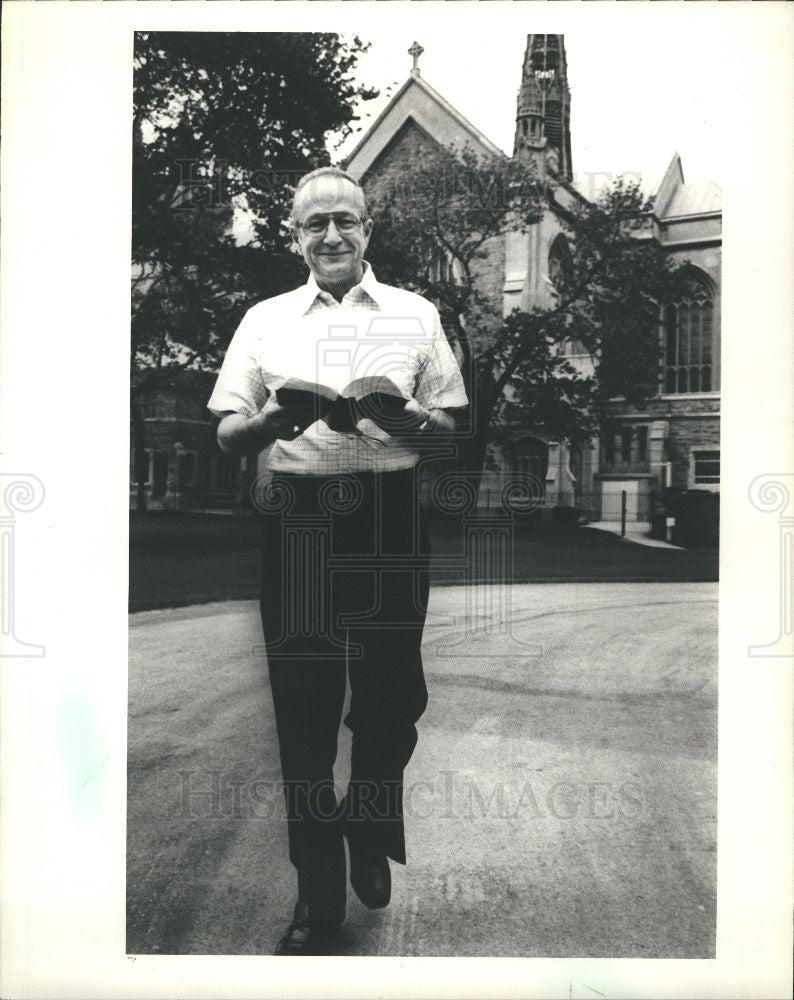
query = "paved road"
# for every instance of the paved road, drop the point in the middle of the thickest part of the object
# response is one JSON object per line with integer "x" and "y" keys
{"x": 561, "y": 801}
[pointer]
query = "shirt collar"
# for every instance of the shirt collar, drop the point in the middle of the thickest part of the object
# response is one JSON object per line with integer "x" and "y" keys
{"x": 369, "y": 284}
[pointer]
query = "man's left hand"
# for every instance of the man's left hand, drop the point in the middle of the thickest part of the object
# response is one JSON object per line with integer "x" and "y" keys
{"x": 415, "y": 421}
{"x": 413, "y": 417}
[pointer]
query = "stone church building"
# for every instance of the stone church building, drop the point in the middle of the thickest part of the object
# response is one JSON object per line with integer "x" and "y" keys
{"x": 674, "y": 442}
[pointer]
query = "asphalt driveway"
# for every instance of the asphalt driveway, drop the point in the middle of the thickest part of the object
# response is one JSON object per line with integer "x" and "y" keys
{"x": 561, "y": 801}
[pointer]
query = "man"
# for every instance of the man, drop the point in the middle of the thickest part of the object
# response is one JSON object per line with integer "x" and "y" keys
{"x": 345, "y": 553}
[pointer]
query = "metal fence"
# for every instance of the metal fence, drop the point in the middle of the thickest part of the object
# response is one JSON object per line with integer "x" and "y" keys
{"x": 563, "y": 507}
{"x": 595, "y": 506}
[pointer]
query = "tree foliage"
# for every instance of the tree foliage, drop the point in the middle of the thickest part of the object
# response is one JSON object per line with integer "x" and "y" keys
{"x": 446, "y": 213}
{"x": 454, "y": 208}
{"x": 223, "y": 123}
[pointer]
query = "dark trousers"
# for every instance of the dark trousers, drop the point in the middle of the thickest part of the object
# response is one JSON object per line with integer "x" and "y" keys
{"x": 345, "y": 576}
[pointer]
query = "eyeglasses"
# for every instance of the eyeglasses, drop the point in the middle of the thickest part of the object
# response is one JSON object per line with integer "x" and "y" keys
{"x": 318, "y": 224}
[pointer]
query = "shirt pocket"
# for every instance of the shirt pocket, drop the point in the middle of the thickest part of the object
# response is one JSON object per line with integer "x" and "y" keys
{"x": 402, "y": 363}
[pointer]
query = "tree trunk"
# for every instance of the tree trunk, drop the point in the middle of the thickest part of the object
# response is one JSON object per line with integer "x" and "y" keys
{"x": 474, "y": 445}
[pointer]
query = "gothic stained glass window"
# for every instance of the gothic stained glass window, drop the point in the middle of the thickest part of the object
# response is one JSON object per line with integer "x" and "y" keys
{"x": 688, "y": 332}
{"x": 559, "y": 261}
{"x": 560, "y": 265}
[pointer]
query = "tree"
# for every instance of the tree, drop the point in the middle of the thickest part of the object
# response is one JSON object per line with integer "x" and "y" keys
{"x": 433, "y": 233}
{"x": 223, "y": 124}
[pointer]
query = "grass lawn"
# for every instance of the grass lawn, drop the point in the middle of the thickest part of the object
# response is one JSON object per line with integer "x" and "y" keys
{"x": 180, "y": 559}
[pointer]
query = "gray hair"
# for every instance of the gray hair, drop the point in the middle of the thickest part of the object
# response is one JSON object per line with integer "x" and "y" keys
{"x": 327, "y": 172}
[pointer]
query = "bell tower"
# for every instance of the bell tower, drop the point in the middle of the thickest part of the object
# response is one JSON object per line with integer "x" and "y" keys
{"x": 543, "y": 113}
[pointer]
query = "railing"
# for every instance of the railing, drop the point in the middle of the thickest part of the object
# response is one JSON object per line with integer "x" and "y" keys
{"x": 619, "y": 506}
{"x": 564, "y": 507}
{"x": 593, "y": 505}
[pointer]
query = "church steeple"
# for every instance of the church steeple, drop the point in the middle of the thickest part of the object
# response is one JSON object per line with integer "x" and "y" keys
{"x": 543, "y": 114}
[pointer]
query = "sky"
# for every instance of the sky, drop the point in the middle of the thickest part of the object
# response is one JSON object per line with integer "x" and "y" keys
{"x": 632, "y": 105}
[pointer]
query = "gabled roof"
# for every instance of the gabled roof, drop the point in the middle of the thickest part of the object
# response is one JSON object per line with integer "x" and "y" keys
{"x": 416, "y": 100}
{"x": 695, "y": 199}
{"x": 672, "y": 179}
{"x": 676, "y": 198}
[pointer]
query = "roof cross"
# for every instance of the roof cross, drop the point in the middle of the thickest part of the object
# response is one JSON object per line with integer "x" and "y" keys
{"x": 415, "y": 51}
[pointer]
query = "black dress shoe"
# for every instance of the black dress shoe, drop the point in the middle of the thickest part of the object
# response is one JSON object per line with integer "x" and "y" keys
{"x": 370, "y": 876}
{"x": 305, "y": 936}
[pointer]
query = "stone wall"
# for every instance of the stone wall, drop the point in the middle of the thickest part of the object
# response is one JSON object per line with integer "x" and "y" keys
{"x": 489, "y": 274}
{"x": 685, "y": 437}
{"x": 693, "y": 424}
{"x": 391, "y": 176}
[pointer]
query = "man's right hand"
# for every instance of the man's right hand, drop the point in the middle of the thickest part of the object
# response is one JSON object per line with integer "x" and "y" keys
{"x": 286, "y": 422}
{"x": 240, "y": 435}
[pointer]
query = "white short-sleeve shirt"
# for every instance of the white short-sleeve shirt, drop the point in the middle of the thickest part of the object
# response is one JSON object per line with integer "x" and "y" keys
{"x": 375, "y": 330}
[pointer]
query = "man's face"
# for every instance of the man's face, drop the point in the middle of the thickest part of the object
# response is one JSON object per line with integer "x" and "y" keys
{"x": 332, "y": 231}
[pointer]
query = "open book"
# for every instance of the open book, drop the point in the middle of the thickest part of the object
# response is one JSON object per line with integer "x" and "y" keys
{"x": 374, "y": 397}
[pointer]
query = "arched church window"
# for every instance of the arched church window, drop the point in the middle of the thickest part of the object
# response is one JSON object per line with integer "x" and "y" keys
{"x": 560, "y": 269}
{"x": 560, "y": 262}
{"x": 688, "y": 338}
